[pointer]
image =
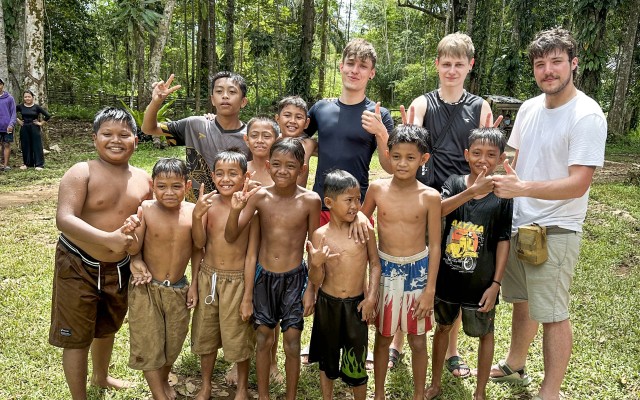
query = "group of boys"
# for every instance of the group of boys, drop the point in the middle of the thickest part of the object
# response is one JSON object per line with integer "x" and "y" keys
{"x": 252, "y": 221}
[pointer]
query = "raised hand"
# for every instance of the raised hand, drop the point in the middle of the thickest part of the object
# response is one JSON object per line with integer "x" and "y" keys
{"x": 483, "y": 183}
{"x": 239, "y": 199}
{"x": 162, "y": 89}
{"x": 252, "y": 184}
{"x": 131, "y": 223}
{"x": 509, "y": 185}
{"x": 407, "y": 118}
{"x": 372, "y": 121}
{"x": 320, "y": 255}
{"x": 204, "y": 202}
{"x": 489, "y": 122}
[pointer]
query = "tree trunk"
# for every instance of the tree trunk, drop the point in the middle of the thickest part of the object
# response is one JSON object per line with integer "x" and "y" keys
{"x": 139, "y": 43}
{"x": 323, "y": 48}
{"x": 212, "y": 55}
{"x": 228, "y": 59}
{"x": 186, "y": 51}
{"x": 16, "y": 55}
{"x": 471, "y": 13}
{"x": 35, "y": 64}
{"x": 201, "y": 45}
{"x": 592, "y": 46}
{"x": 161, "y": 40}
{"x": 301, "y": 68}
{"x": 616, "y": 116}
{"x": 278, "y": 51}
{"x": 4, "y": 63}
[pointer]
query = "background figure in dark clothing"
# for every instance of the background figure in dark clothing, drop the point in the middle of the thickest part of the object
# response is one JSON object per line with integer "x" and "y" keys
{"x": 31, "y": 132}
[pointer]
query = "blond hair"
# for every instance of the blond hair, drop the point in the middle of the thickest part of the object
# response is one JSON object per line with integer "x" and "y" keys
{"x": 456, "y": 45}
{"x": 360, "y": 49}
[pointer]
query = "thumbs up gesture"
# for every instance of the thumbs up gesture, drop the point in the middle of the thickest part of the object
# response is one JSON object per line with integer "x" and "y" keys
{"x": 372, "y": 122}
{"x": 509, "y": 185}
{"x": 483, "y": 183}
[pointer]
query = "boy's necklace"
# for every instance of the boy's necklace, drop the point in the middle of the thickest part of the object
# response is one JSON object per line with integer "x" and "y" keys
{"x": 464, "y": 95}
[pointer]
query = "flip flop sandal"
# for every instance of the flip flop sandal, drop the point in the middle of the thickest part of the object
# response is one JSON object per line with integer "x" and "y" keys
{"x": 510, "y": 375}
{"x": 457, "y": 363}
{"x": 395, "y": 358}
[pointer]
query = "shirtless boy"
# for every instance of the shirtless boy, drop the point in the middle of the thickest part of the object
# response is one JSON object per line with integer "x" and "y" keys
{"x": 262, "y": 132}
{"x": 343, "y": 307}
{"x": 293, "y": 120}
{"x": 158, "y": 300}
{"x": 92, "y": 265}
{"x": 224, "y": 279}
{"x": 287, "y": 213}
{"x": 406, "y": 208}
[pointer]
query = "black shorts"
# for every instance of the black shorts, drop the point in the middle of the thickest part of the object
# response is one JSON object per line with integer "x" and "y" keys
{"x": 338, "y": 327}
{"x": 474, "y": 322}
{"x": 278, "y": 298}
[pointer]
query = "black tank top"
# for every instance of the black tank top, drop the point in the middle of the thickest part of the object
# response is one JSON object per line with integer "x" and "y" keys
{"x": 449, "y": 158}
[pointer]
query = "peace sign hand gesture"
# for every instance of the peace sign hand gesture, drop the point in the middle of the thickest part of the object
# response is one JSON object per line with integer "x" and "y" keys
{"x": 240, "y": 199}
{"x": 204, "y": 202}
{"x": 162, "y": 89}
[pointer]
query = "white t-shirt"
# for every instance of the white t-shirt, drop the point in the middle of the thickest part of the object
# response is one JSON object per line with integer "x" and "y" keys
{"x": 549, "y": 141}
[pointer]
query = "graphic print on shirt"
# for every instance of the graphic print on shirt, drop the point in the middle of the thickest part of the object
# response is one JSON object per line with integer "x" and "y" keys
{"x": 463, "y": 243}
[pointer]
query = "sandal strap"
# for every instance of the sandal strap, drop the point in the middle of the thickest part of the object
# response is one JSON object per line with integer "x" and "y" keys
{"x": 507, "y": 370}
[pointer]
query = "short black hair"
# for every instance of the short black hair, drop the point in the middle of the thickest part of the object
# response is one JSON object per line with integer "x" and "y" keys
{"x": 170, "y": 167}
{"x": 289, "y": 146}
{"x": 114, "y": 114}
{"x": 338, "y": 181}
{"x": 410, "y": 134}
{"x": 295, "y": 101}
{"x": 273, "y": 124}
{"x": 492, "y": 136}
{"x": 232, "y": 155}
{"x": 235, "y": 78}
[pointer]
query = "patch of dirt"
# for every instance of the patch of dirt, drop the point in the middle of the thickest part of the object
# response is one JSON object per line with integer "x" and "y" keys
{"x": 25, "y": 197}
{"x": 613, "y": 171}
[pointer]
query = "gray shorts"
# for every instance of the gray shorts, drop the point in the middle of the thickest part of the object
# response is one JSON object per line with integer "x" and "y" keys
{"x": 545, "y": 286}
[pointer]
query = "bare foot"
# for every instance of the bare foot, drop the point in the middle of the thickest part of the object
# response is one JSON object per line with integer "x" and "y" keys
{"x": 379, "y": 396}
{"x": 479, "y": 396}
{"x": 275, "y": 376}
{"x": 205, "y": 392}
{"x": 231, "y": 378}
{"x": 432, "y": 392}
{"x": 169, "y": 391}
{"x": 112, "y": 383}
{"x": 242, "y": 395}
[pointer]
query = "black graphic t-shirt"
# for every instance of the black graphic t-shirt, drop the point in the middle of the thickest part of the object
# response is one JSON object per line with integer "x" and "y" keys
{"x": 471, "y": 236}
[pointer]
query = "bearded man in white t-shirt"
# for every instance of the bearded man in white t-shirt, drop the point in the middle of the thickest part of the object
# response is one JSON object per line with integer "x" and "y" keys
{"x": 559, "y": 138}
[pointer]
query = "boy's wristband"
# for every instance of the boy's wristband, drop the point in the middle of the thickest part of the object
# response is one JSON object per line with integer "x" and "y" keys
{"x": 499, "y": 284}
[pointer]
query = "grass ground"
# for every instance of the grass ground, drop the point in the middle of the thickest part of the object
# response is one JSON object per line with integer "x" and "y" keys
{"x": 604, "y": 307}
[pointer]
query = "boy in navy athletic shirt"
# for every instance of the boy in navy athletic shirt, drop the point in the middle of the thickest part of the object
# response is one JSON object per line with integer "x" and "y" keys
{"x": 351, "y": 126}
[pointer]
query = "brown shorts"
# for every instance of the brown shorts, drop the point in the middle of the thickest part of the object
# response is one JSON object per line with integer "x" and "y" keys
{"x": 158, "y": 314}
{"x": 87, "y": 301}
{"x": 236, "y": 337}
